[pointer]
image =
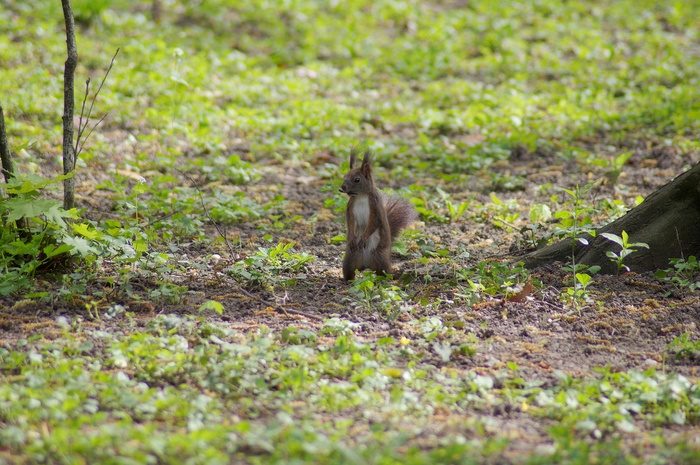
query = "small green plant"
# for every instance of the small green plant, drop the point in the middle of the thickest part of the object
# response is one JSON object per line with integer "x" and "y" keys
{"x": 270, "y": 266}
{"x": 626, "y": 248}
{"x": 576, "y": 220}
{"x": 212, "y": 305}
{"x": 428, "y": 206}
{"x": 44, "y": 236}
{"x": 491, "y": 278}
{"x": 575, "y": 223}
{"x": 375, "y": 292}
{"x": 168, "y": 293}
{"x": 454, "y": 210}
{"x": 578, "y": 295}
{"x": 685, "y": 274}
{"x": 683, "y": 348}
{"x": 615, "y": 166}
{"x": 612, "y": 166}
{"x": 506, "y": 211}
{"x": 532, "y": 233}
{"x": 339, "y": 327}
{"x": 443, "y": 338}
{"x": 293, "y": 335}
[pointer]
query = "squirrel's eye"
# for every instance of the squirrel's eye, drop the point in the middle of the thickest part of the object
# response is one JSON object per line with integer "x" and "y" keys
{"x": 357, "y": 179}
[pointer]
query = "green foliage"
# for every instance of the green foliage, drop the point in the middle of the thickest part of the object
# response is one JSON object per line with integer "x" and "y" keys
{"x": 505, "y": 211}
{"x": 328, "y": 71}
{"x": 631, "y": 400}
{"x": 491, "y": 278}
{"x": 576, "y": 223}
{"x": 202, "y": 121}
{"x": 577, "y": 219}
{"x": 272, "y": 266}
{"x": 186, "y": 391}
{"x": 212, "y": 305}
{"x": 373, "y": 292}
{"x": 684, "y": 274}
{"x": 41, "y": 237}
{"x": 57, "y": 239}
{"x": 455, "y": 210}
{"x": 577, "y": 295}
{"x": 85, "y": 11}
{"x": 683, "y": 348}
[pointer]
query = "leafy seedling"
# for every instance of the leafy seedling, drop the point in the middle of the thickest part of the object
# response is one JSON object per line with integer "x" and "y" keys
{"x": 626, "y": 248}
{"x": 685, "y": 274}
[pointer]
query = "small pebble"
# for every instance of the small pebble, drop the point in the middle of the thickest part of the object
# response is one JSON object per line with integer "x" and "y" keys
{"x": 650, "y": 363}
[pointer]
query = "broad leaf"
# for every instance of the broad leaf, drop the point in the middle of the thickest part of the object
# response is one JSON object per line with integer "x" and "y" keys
{"x": 28, "y": 207}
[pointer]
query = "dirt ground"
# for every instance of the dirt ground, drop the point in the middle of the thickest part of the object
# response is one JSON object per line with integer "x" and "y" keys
{"x": 630, "y": 321}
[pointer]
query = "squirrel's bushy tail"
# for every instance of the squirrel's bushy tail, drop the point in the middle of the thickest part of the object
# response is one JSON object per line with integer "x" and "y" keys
{"x": 399, "y": 212}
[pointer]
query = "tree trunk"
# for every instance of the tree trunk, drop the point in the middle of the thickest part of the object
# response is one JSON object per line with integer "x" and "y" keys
{"x": 668, "y": 221}
{"x": 7, "y": 169}
{"x": 69, "y": 107}
{"x": 157, "y": 11}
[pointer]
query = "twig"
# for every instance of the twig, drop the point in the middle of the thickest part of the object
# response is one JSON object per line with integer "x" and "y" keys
{"x": 680, "y": 246}
{"x": 159, "y": 218}
{"x": 323, "y": 286}
{"x": 554, "y": 306}
{"x": 279, "y": 308}
{"x": 82, "y": 126}
{"x": 206, "y": 212}
{"x": 91, "y": 131}
{"x": 80, "y": 121}
{"x": 507, "y": 224}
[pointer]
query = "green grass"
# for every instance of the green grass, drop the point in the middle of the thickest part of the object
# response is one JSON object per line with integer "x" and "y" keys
{"x": 296, "y": 79}
{"x": 208, "y": 107}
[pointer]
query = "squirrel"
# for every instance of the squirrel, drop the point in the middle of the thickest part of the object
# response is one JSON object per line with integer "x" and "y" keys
{"x": 374, "y": 219}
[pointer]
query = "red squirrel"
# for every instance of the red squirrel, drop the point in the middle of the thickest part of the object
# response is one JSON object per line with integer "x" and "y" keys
{"x": 374, "y": 220}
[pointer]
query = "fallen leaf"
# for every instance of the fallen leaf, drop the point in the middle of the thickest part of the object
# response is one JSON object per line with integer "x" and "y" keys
{"x": 524, "y": 293}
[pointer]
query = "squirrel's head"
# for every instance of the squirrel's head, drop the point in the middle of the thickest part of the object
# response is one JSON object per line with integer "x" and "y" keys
{"x": 358, "y": 180}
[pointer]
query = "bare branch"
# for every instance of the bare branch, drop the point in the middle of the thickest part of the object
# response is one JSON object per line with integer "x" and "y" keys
{"x": 206, "y": 212}
{"x": 278, "y": 307}
{"x": 81, "y": 128}
{"x": 91, "y": 130}
{"x": 82, "y": 112}
{"x": 104, "y": 78}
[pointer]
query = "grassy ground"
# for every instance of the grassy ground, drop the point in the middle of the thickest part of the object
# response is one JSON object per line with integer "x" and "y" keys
{"x": 203, "y": 318}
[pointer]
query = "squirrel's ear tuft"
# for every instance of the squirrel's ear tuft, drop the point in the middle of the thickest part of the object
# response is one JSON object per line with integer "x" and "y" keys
{"x": 353, "y": 157}
{"x": 366, "y": 159}
{"x": 367, "y": 163}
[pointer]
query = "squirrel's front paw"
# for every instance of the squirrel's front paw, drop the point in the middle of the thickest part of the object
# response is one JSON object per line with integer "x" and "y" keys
{"x": 360, "y": 244}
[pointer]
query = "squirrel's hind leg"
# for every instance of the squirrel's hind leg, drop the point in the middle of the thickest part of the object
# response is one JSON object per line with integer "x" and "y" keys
{"x": 381, "y": 263}
{"x": 351, "y": 262}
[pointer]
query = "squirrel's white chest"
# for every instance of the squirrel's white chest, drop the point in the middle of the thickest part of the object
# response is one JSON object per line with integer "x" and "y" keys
{"x": 360, "y": 211}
